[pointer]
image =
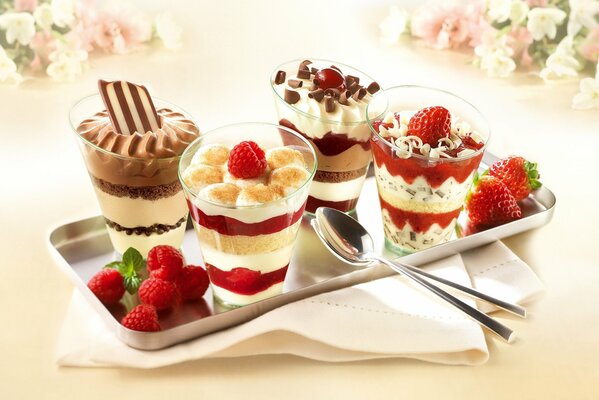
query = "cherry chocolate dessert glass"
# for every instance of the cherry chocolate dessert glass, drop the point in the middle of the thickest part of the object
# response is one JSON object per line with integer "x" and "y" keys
{"x": 132, "y": 152}
{"x": 325, "y": 102}
{"x": 246, "y": 186}
{"x": 427, "y": 147}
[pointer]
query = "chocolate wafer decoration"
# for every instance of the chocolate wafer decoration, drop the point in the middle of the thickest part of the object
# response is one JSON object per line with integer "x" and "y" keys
{"x": 129, "y": 106}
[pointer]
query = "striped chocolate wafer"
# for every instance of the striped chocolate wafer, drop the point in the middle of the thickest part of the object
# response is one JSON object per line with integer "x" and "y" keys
{"x": 129, "y": 106}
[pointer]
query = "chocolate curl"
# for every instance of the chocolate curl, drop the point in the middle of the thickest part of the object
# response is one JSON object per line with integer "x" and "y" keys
{"x": 291, "y": 96}
{"x": 354, "y": 87}
{"x": 344, "y": 97}
{"x": 373, "y": 88}
{"x": 317, "y": 95}
{"x": 329, "y": 104}
{"x": 359, "y": 94}
{"x": 129, "y": 106}
{"x": 303, "y": 73}
{"x": 314, "y": 70}
{"x": 332, "y": 92}
{"x": 295, "y": 83}
{"x": 352, "y": 79}
{"x": 280, "y": 77}
{"x": 304, "y": 64}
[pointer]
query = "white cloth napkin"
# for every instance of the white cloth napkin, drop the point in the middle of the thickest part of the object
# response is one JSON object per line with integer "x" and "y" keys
{"x": 385, "y": 318}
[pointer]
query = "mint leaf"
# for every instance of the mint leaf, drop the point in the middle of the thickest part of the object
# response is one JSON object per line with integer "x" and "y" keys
{"x": 131, "y": 265}
{"x": 134, "y": 259}
{"x": 114, "y": 264}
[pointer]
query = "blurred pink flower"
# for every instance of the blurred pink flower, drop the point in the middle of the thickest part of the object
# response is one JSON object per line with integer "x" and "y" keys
{"x": 537, "y": 3}
{"x": 25, "y": 5}
{"x": 42, "y": 44}
{"x": 520, "y": 39}
{"x": 589, "y": 47}
{"x": 446, "y": 25}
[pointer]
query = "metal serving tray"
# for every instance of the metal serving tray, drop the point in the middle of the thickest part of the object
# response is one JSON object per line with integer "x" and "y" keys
{"x": 81, "y": 248}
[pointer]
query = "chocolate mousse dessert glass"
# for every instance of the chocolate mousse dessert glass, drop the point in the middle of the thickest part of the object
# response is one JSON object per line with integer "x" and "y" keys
{"x": 134, "y": 174}
{"x": 246, "y": 186}
{"x": 325, "y": 101}
{"x": 427, "y": 147}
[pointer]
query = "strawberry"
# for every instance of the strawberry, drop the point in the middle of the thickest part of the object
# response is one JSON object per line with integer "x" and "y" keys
{"x": 158, "y": 293}
{"x": 246, "y": 160}
{"x": 519, "y": 175}
{"x": 193, "y": 282}
{"x": 490, "y": 203}
{"x": 108, "y": 286}
{"x": 165, "y": 262}
{"x": 142, "y": 318}
{"x": 430, "y": 124}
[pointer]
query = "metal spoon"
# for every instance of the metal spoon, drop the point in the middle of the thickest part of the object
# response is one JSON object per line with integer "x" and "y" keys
{"x": 350, "y": 242}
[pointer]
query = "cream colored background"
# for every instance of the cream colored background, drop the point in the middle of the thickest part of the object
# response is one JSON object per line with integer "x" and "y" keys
{"x": 221, "y": 76}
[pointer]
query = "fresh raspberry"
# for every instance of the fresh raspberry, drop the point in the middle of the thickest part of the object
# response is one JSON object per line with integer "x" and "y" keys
{"x": 490, "y": 203}
{"x": 158, "y": 293}
{"x": 142, "y": 318}
{"x": 247, "y": 160}
{"x": 193, "y": 282}
{"x": 165, "y": 262}
{"x": 519, "y": 175}
{"x": 430, "y": 124}
{"x": 108, "y": 286}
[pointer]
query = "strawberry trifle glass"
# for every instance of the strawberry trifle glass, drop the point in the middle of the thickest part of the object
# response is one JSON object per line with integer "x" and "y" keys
{"x": 427, "y": 147}
{"x": 246, "y": 187}
{"x": 325, "y": 102}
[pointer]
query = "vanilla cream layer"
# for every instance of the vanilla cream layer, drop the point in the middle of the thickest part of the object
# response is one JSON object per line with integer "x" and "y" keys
{"x": 130, "y": 212}
{"x": 419, "y": 196}
{"x": 262, "y": 262}
{"x": 121, "y": 241}
{"x": 337, "y": 191}
{"x": 241, "y": 299}
{"x": 409, "y": 240}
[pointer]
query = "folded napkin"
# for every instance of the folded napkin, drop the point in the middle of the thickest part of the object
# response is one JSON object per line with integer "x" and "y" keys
{"x": 389, "y": 317}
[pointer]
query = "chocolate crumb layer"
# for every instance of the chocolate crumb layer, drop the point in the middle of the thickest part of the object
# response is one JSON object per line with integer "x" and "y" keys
{"x": 336, "y": 177}
{"x": 144, "y": 230}
{"x": 134, "y": 192}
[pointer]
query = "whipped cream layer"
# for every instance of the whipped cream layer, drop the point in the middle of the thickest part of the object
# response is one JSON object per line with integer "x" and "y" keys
{"x": 261, "y": 262}
{"x": 337, "y": 191}
{"x": 121, "y": 241}
{"x": 231, "y": 298}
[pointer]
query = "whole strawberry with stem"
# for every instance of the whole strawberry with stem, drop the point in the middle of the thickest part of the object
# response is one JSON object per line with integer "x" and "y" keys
{"x": 519, "y": 175}
{"x": 142, "y": 318}
{"x": 430, "y": 124}
{"x": 490, "y": 203}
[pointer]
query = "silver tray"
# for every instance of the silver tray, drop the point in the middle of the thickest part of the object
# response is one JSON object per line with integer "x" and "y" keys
{"x": 81, "y": 248}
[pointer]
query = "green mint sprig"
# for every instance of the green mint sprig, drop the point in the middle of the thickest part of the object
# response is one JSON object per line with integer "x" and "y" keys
{"x": 130, "y": 268}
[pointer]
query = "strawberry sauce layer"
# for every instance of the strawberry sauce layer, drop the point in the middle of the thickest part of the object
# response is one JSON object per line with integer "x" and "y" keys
{"x": 420, "y": 222}
{"x": 332, "y": 143}
{"x": 345, "y": 206}
{"x": 245, "y": 281}
{"x": 231, "y": 226}
{"x": 409, "y": 169}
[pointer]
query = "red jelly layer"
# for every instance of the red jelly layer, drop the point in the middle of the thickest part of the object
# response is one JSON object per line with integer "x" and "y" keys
{"x": 231, "y": 226}
{"x": 409, "y": 169}
{"x": 419, "y": 221}
{"x": 332, "y": 143}
{"x": 345, "y": 206}
{"x": 245, "y": 281}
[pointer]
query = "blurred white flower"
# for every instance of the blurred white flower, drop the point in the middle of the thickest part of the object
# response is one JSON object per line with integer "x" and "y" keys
{"x": 393, "y": 25}
{"x": 63, "y": 12}
{"x": 562, "y": 63}
{"x": 169, "y": 31}
{"x": 543, "y": 21}
{"x": 582, "y": 14}
{"x": 19, "y": 27}
{"x": 43, "y": 16}
{"x": 588, "y": 97}
{"x": 68, "y": 61}
{"x": 499, "y": 10}
{"x": 8, "y": 70}
{"x": 518, "y": 11}
{"x": 495, "y": 55}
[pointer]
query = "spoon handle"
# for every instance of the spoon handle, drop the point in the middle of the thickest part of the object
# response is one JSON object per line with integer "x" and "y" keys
{"x": 483, "y": 319}
{"x": 504, "y": 305}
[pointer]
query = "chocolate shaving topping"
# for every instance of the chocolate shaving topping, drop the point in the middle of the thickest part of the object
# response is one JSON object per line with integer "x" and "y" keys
{"x": 291, "y": 96}
{"x": 329, "y": 104}
{"x": 373, "y": 88}
{"x": 280, "y": 77}
{"x": 354, "y": 87}
{"x": 304, "y": 64}
{"x": 295, "y": 83}
{"x": 314, "y": 70}
{"x": 353, "y": 78}
{"x": 317, "y": 95}
{"x": 343, "y": 98}
{"x": 361, "y": 93}
{"x": 303, "y": 73}
{"x": 332, "y": 92}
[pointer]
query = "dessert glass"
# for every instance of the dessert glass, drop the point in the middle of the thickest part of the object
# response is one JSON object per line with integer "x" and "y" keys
{"x": 141, "y": 198}
{"x": 341, "y": 141}
{"x": 421, "y": 197}
{"x": 247, "y": 249}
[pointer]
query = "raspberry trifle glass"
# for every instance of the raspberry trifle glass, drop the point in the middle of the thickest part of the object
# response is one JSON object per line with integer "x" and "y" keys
{"x": 325, "y": 101}
{"x": 427, "y": 147}
{"x": 246, "y": 186}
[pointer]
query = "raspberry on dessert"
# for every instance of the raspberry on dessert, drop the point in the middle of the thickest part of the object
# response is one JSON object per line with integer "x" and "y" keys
{"x": 520, "y": 176}
{"x": 142, "y": 318}
{"x": 430, "y": 124}
{"x": 198, "y": 176}
{"x": 289, "y": 178}
{"x": 282, "y": 156}
{"x": 490, "y": 203}
{"x": 193, "y": 282}
{"x": 214, "y": 154}
{"x": 329, "y": 78}
{"x": 246, "y": 160}
{"x": 222, "y": 193}
{"x": 108, "y": 286}
{"x": 158, "y": 293}
{"x": 165, "y": 262}
{"x": 259, "y": 194}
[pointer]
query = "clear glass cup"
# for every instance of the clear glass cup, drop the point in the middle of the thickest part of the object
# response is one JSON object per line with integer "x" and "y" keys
{"x": 340, "y": 139}
{"x": 421, "y": 197}
{"x": 141, "y": 198}
{"x": 247, "y": 249}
